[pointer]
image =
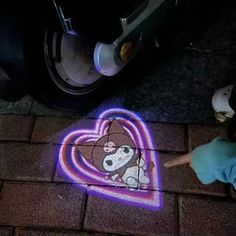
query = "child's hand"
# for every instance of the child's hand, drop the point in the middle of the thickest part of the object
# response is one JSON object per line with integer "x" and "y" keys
{"x": 181, "y": 160}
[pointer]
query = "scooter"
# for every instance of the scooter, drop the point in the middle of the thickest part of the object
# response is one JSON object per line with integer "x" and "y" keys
{"x": 64, "y": 52}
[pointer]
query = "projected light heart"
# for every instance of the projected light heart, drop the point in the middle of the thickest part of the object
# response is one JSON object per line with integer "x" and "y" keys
{"x": 114, "y": 157}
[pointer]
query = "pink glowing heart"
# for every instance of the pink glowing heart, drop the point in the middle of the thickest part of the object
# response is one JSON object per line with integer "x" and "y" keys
{"x": 114, "y": 158}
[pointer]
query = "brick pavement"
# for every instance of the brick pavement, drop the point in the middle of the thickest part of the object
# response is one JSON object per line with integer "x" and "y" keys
{"x": 36, "y": 199}
{"x": 218, "y": 219}
{"x": 15, "y": 128}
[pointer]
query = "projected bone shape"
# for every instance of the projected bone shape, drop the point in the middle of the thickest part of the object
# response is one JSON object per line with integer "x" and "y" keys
{"x": 114, "y": 158}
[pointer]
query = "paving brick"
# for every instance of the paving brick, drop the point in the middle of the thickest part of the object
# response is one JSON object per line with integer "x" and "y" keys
{"x": 183, "y": 179}
{"x": 202, "y": 134}
{"x": 60, "y": 176}
{"x": 104, "y": 215}
{"x": 53, "y": 130}
{"x": 41, "y": 205}
{"x": 25, "y": 232}
{"x": 6, "y": 231}
{"x": 169, "y": 137}
{"x": 27, "y": 162}
{"x": 206, "y": 217}
{"x": 16, "y": 128}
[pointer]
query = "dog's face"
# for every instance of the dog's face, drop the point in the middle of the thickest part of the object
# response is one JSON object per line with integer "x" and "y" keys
{"x": 112, "y": 151}
{"x": 118, "y": 159}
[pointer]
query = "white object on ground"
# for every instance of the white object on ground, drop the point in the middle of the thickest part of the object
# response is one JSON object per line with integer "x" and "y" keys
{"x": 220, "y": 103}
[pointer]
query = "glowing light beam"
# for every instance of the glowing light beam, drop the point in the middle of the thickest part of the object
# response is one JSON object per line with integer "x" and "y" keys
{"x": 80, "y": 170}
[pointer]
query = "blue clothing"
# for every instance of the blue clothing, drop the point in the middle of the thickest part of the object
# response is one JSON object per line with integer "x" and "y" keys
{"x": 216, "y": 161}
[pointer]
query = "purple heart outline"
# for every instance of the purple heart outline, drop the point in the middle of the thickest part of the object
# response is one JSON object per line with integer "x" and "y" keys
{"x": 81, "y": 171}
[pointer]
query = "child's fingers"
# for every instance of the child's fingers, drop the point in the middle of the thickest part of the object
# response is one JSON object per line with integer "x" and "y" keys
{"x": 181, "y": 160}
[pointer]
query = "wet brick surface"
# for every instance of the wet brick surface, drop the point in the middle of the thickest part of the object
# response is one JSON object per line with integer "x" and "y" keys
{"x": 169, "y": 137}
{"x": 54, "y": 130}
{"x": 202, "y": 134}
{"x": 206, "y": 217}
{"x": 45, "y": 205}
{"x": 16, "y": 128}
{"x": 107, "y": 216}
{"x": 27, "y": 162}
{"x": 172, "y": 92}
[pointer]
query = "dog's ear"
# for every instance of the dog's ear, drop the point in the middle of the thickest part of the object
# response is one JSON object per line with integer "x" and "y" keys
{"x": 115, "y": 127}
{"x": 87, "y": 149}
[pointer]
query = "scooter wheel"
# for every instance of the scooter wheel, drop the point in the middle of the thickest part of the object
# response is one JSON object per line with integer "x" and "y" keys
{"x": 61, "y": 69}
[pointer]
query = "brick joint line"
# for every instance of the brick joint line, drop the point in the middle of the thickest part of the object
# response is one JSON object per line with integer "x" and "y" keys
{"x": 85, "y": 203}
{"x": 1, "y": 185}
{"x": 177, "y": 214}
{"x": 200, "y": 195}
{"x": 32, "y": 127}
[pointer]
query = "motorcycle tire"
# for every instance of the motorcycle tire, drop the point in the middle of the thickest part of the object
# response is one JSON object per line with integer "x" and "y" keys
{"x": 46, "y": 83}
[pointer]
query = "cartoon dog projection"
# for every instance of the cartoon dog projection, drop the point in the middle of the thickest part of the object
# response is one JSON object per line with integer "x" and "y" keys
{"x": 116, "y": 155}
